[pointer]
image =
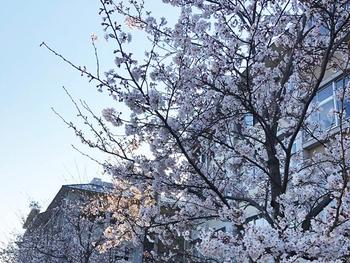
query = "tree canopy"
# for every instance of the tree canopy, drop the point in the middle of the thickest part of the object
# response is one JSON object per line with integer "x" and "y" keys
{"x": 231, "y": 151}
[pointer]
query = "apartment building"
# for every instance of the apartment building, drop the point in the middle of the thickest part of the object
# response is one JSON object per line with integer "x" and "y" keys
{"x": 65, "y": 232}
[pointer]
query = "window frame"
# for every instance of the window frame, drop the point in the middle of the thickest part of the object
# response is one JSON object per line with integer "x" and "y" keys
{"x": 332, "y": 83}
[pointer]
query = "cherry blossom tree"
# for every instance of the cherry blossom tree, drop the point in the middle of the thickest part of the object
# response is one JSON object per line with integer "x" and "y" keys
{"x": 212, "y": 164}
{"x": 9, "y": 251}
{"x": 69, "y": 232}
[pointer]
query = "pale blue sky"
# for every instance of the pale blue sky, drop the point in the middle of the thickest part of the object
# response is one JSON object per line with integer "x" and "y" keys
{"x": 36, "y": 156}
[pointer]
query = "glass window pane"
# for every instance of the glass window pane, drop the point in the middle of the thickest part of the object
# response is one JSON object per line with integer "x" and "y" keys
{"x": 346, "y": 80}
{"x": 347, "y": 108}
{"x": 325, "y": 93}
{"x": 339, "y": 84}
{"x": 314, "y": 120}
{"x": 248, "y": 120}
{"x": 326, "y": 113}
{"x": 294, "y": 147}
{"x": 346, "y": 104}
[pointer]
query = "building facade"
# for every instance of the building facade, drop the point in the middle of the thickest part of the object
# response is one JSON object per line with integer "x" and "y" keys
{"x": 67, "y": 232}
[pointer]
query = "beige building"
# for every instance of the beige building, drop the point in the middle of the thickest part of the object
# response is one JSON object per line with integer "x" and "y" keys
{"x": 65, "y": 232}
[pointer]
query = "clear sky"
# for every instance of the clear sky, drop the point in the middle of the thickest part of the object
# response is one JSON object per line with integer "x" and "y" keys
{"x": 36, "y": 156}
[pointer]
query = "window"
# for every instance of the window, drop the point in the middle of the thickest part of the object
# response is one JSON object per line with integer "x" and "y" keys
{"x": 325, "y": 112}
{"x": 248, "y": 120}
{"x": 328, "y": 104}
{"x": 295, "y": 151}
{"x": 326, "y": 107}
{"x": 344, "y": 105}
